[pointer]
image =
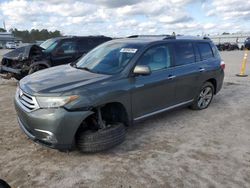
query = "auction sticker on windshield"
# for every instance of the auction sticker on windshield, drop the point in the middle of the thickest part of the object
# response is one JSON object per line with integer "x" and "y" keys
{"x": 128, "y": 50}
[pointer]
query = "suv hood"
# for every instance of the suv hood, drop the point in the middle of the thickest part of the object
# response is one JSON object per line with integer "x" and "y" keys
{"x": 58, "y": 79}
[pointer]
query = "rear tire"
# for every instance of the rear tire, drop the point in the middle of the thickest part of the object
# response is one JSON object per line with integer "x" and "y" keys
{"x": 204, "y": 98}
{"x": 102, "y": 139}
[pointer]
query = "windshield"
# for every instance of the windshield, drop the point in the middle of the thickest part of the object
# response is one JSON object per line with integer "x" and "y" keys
{"x": 49, "y": 44}
{"x": 108, "y": 58}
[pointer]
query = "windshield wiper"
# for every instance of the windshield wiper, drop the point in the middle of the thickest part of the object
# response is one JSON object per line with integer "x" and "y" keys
{"x": 83, "y": 68}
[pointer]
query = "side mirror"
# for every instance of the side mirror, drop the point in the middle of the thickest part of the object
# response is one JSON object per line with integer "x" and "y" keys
{"x": 142, "y": 70}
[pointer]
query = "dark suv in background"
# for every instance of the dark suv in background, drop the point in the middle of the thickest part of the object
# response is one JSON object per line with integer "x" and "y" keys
{"x": 247, "y": 43}
{"x": 56, "y": 51}
{"x": 89, "y": 103}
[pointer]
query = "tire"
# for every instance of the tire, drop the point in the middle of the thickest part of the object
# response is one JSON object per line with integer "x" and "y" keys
{"x": 207, "y": 87}
{"x": 103, "y": 139}
{"x": 36, "y": 68}
{"x": 18, "y": 77}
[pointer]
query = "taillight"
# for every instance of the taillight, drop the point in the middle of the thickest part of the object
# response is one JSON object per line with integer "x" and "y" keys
{"x": 222, "y": 65}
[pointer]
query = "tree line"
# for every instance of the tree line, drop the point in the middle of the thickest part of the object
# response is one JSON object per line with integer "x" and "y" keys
{"x": 34, "y": 34}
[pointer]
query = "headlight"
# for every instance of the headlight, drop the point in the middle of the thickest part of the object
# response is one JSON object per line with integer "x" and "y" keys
{"x": 55, "y": 102}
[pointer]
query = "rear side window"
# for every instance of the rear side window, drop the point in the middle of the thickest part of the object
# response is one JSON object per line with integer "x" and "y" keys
{"x": 184, "y": 53}
{"x": 84, "y": 45}
{"x": 205, "y": 51}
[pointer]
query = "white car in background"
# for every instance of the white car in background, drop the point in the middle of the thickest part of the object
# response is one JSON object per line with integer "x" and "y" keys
{"x": 10, "y": 45}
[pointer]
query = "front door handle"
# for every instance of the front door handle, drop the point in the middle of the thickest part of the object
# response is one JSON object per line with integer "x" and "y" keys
{"x": 201, "y": 69}
{"x": 171, "y": 77}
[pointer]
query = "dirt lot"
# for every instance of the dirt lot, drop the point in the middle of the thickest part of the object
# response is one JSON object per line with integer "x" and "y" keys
{"x": 183, "y": 148}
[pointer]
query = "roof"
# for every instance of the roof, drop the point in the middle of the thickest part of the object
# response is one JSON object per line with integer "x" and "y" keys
{"x": 146, "y": 39}
{"x": 70, "y": 37}
{"x": 165, "y": 37}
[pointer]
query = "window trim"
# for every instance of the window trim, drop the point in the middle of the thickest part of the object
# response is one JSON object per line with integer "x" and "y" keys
{"x": 197, "y": 53}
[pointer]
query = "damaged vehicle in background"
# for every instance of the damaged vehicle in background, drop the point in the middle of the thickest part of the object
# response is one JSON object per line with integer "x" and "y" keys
{"x": 56, "y": 51}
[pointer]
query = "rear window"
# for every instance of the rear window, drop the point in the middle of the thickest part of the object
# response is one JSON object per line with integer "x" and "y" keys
{"x": 205, "y": 51}
{"x": 184, "y": 53}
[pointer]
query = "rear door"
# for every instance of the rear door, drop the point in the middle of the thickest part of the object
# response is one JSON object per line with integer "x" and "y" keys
{"x": 209, "y": 63}
{"x": 156, "y": 91}
{"x": 186, "y": 71}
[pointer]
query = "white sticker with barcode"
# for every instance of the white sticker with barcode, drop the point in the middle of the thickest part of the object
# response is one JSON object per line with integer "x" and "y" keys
{"x": 128, "y": 50}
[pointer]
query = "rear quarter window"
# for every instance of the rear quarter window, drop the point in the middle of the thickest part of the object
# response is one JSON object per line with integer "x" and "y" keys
{"x": 205, "y": 50}
{"x": 84, "y": 45}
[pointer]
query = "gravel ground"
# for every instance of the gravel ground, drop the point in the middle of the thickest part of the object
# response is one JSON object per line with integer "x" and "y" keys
{"x": 182, "y": 148}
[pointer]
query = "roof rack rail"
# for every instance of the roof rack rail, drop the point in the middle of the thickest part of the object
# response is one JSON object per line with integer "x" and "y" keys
{"x": 206, "y": 38}
{"x": 165, "y": 37}
{"x": 170, "y": 37}
{"x": 142, "y": 36}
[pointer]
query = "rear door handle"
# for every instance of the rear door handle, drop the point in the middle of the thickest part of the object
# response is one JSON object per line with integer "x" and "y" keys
{"x": 171, "y": 77}
{"x": 201, "y": 69}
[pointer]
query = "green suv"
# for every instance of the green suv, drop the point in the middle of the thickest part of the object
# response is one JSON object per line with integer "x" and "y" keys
{"x": 89, "y": 103}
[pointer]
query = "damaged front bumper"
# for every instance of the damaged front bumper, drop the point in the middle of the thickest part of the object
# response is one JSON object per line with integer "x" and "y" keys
{"x": 16, "y": 63}
{"x": 54, "y": 128}
{"x": 8, "y": 72}
{"x": 5, "y": 69}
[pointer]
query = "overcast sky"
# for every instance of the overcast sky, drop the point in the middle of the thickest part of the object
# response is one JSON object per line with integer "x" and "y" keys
{"x": 127, "y": 17}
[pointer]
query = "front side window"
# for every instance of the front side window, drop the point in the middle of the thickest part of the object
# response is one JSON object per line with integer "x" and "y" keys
{"x": 184, "y": 53}
{"x": 157, "y": 58}
{"x": 67, "y": 47}
{"x": 108, "y": 58}
{"x": 205, "y": 50}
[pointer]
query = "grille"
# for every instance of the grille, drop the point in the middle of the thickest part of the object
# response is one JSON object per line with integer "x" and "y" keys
{"x": 27, "y": 102}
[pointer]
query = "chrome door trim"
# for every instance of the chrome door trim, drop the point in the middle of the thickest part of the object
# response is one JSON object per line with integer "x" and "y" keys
{"x": 162, "y": 110}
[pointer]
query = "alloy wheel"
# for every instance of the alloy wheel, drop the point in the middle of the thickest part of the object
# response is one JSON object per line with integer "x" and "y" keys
{"x": 205, "y": 97}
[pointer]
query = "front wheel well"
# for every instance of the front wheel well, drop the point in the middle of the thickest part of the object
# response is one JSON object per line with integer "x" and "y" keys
{"x": 115, "y": 112}
{"x": 103, "y": 116}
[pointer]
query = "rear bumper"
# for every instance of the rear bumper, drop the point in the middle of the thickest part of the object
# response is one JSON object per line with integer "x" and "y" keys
{"x": 219, "y": 80}
{"x": 54, "y": 128}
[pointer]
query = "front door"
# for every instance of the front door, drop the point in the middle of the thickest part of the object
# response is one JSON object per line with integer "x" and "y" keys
{"x": 154, "y": 92}
{"x": 66, "y": 52}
